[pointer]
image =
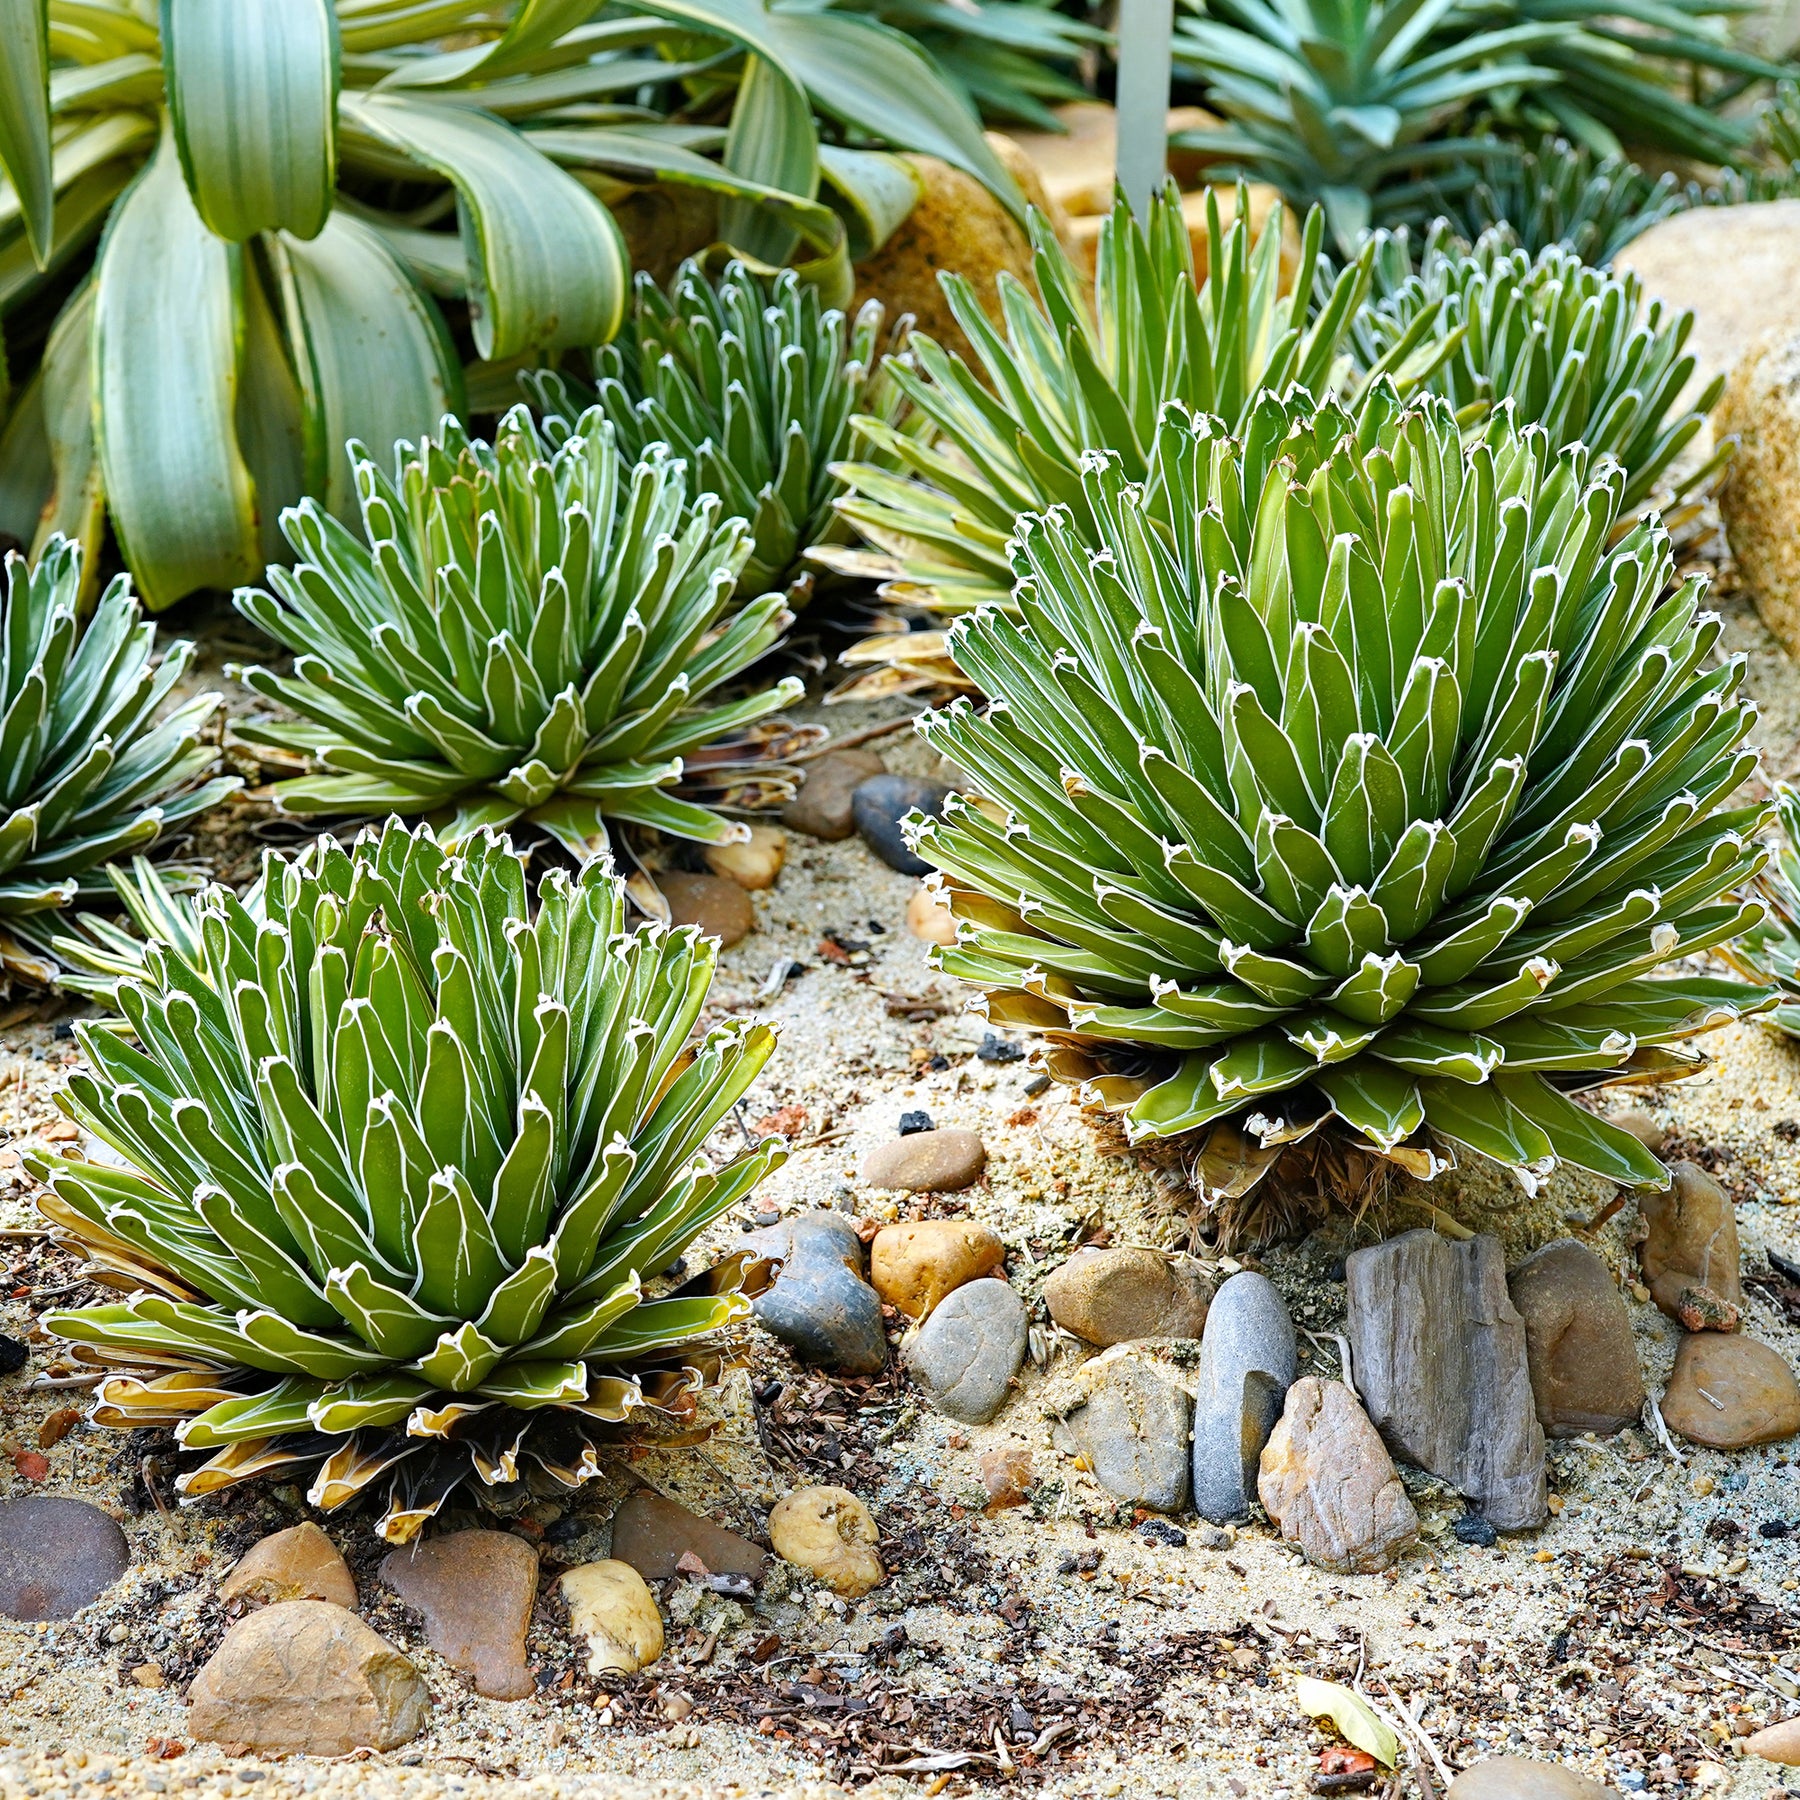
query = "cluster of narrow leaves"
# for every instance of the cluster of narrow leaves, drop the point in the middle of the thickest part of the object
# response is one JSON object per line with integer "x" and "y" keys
{"x": 1068, "y": 377}
{"x": 1353, "y": 781}
{"x": 398, "y": 1159}
{"x": 1576, "y": 349}
{"x": 526, "y": 634}
{"x": 1770, "y": 951}
{"x": 93, "y": 765}
{"x": 755, "y": 383}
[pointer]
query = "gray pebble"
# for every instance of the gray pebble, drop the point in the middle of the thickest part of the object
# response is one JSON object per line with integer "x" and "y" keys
{"x": 968, "y": 1351}
{"x": 820, "y": 1306}
{"x": 881, "y": 802}
{"x": 1246, "y": 1368}
{"x": 1133, "y": 1431}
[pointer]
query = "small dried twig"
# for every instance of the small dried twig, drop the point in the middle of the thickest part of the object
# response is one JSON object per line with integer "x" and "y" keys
{"x": 864, "y": 734}
{"x": 1654, "y": 1419}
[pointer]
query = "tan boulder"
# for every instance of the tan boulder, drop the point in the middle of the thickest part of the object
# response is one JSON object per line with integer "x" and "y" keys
{"x": 1778, "y": 1743}
{"x": 958, "y": 226}
{"x": 304, "y": 1677}
{"x": 614, "y": 1613}
{"x": 914, "y": 1266}
{"x": 1760, "y": 501}
{"x": 1728, "y": 1391}
{"x": 1524, "y": 1778}
{"x": 1689, "y": 1254}
{"x": 1115, "y": 1296}
{"x": 830, "y": 1533}
{"x": 301, "y": 1563}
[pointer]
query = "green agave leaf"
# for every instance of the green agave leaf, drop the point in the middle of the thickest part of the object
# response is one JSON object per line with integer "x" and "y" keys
{"x": 252, "y": 92}
{"x": 165, "y": 348}
{"x": 25, "y": 152}
{"x": 546, "y": 265}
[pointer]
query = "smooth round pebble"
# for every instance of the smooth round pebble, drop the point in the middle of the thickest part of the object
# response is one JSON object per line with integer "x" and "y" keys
{"x": 830, "y": 1533}
{"x": 720, "y": 908}
{"x": 881, "y": 802}
{"x": 966, "y": 1354}
{"x": 1114, "y": 1296}
{"x": 1729, "y": 1391}
{"x": 613, "y": 1612}
{"x": 1246, "y": 1367}
{"x": 1578, "y": 1342}
{"x": 927, "y": 917}
{"x": 822, "y": 807}
{"x": 914, "y": 1266}
{"x": 927, "y": 1162}
{"x": 1777, "y": 1743}
{"x": 1522, "y": 1778}
{"x": 754, "y": 865}
{"x": 56, "y": 1556}
{"x": 1133, "y": 1430}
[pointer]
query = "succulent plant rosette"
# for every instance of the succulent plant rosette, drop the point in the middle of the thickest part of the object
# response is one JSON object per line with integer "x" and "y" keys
{"x": 755, "y": 383}
{"x": 1770, "y": 952}
{"x": 1346, "y": 792}
{"x": 98, "y": 757}
{"x": 401, "y": 1173}
{"x": 527, "y": 635}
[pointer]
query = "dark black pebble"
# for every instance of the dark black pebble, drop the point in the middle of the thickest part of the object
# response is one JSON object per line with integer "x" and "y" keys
{"x": 881, "y": 802}
{"x": 995, "y": 1049}
{"x": 13, "y": 1355}
{"x": 1472, "y": 1528}
{"x": 1160, "y": 1531}
{"x": 911, "y": 1122}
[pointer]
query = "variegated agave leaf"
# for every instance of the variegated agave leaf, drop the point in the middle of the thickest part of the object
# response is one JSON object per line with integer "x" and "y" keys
{"x": 1068, "y": 377}
{"x": 1356, "y": 779}
{"x": 95, "y": 762}
{"x": 1578, "y": 350}
{"x": 1770, "y": 952}
{"x": 527, "y": 634}
{"x": 401, "y": 1164}
{"x": 755, "y": 383}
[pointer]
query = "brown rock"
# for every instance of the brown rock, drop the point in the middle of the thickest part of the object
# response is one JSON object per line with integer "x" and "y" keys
{"x": 822, "y": 807}
{"x": 753, "y": 865}
{"x": 1006, "y": 1474}
{"x": 653, "y": 1534}
{"x": 613, "y": 1611}
{"x": 1440, "y": 1360}
{"x": 956, "y": 225}
{"x": 1328, "y": 1482}
{"x": 1578, "y": 1342}
{"x": 719, "y": 907}
{"x": 1760, "y": 501}
{"x": 1778, "y": 1743}
{"x": 930, "y": 918}
{"x": 1644, "y": 1128}
{"x": 914, "y": 1266}
{"x": 304, "y": 1677}
{"x": 830, "y": 1533}
{"x": 927, "y": 1162}
{"x": 1679, "y": 261}
{"x": 1729, "y": 1391}
{"x": 1690, "y": 1251}
{"x": 1114, "y": 1296}
{"x": 1520, "y": 1778}
{"x": 301, "y": 1563}
{"x": 1084, "y": 233}
{"x": 475, "y": 1589}
{"x": 56, "y": 1556}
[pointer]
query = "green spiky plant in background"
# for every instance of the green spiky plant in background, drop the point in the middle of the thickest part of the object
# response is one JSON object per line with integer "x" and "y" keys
{"x": 1067, "y": 378}
{"x": 755, "y": 383}
{"x": 1349, "y": 792}
{"x": 1770, "y": 952}
{"x": 401, "y": 1160}
{"x": 529, "y": 635}
{"x": 1577, "y": 350}
{"x": 97, "y": 757}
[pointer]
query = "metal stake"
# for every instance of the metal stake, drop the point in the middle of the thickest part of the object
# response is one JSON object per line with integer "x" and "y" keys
{"x": 1146, "y": 30}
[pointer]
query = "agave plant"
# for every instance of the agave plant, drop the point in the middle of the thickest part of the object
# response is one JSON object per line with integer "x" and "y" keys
{"x": 1350, "y": 791}
{"x": 530, "y": 635}
{"x": 228, "y": 228}
{"x": 1557, "y": 196}
{"x": 1338, "y": 106}
{"x": 94, "y": 763}
{"x": 754, "y": 382}
{"x": 401, "y": 1165}
{"x": 1575, "y": 349}
{"x": 1770, "y": 952}
{"x": 1066, "y": 380}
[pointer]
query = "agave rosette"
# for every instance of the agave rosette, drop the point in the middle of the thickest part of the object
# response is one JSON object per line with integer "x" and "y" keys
{"x": 1770, "y": 952}
{"x": 754, "y": 382}
{"x": 1066, "y": 378}
{"x": 528, "y": 635}
{"x": 98, "y": 758}
{"x": 1355, "y": 782}
{"x": 399, "y": 1164}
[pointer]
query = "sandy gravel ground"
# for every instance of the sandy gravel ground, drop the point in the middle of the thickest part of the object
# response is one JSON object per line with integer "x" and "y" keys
{"x": 1649, "y": 1625}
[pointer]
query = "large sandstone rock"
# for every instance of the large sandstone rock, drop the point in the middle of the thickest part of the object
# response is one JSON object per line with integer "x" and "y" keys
{"x": 1578, "y": 1342}
{"x": 1440, "y": 1359}
{"x": 301, "y": 1563}
{"x": 957, "y": 225}
{"x": 305, "y": 1677}
{"x": 914, "y": 1266}
{"x": 1328, "y": 1482}
{"x": 1690, "y": 1251}
{"x": 1761, "y": 497}
{"x": 1737, "y": 268}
